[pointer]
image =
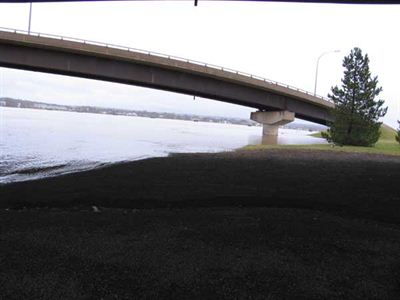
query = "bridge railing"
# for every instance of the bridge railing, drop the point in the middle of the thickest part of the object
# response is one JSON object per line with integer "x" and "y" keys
{"x": 157, "y": 54}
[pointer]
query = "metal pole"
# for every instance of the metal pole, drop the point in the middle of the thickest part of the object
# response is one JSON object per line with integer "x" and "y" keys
{"x": 316, "y": 74}
{"x": 316, "y": 71}
{"x": 30, "y": 17}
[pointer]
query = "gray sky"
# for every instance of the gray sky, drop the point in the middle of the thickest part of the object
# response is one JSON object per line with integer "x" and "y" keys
{"x": 279, "y": 41}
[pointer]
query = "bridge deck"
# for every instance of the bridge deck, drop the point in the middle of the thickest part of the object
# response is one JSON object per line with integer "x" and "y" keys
{"x": 94, "y": 50}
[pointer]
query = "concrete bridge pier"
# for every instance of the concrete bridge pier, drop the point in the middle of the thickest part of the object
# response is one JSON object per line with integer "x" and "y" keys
{"x": 271, "y": 120}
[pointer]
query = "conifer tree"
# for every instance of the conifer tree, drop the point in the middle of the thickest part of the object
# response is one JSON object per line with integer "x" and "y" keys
{"x": 356, "y": 113}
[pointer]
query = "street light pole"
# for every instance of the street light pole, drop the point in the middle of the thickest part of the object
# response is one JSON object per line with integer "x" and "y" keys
{"x": 30, "y": 18}
{"x": 316, "y": 71}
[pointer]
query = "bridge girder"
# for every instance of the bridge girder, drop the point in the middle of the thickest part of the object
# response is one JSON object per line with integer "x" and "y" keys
{"x": 102, "y": 63}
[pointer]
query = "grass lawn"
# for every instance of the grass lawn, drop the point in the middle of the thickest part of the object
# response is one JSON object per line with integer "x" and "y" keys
{"x": 386, "y": 145}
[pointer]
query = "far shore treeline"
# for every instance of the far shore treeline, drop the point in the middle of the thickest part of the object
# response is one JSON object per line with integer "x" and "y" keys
{"x": 10, "y": 102}
{"x": 18, "y": 103}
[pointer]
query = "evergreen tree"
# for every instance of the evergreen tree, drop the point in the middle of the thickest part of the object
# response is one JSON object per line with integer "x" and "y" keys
{"x": 398, "y": 133}
{"x": 356, "y": 112}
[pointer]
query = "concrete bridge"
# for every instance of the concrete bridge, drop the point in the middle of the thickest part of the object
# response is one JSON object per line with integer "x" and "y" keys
{"x": 276, "y": 103}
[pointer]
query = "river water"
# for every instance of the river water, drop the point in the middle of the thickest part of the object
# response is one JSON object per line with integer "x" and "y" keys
{"x": 40, "y": 143}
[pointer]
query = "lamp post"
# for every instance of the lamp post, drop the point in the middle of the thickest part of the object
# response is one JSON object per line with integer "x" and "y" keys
{"x": 316, "y": 71}
{"x": 30, "y": 18}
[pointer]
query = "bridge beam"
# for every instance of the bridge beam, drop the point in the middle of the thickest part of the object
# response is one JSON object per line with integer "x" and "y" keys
{"x": 271, "y": 120}
{"x": 86, "y": 60}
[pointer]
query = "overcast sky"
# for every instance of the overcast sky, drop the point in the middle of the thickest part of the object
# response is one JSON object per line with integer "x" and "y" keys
{"x": 279, "y": 41}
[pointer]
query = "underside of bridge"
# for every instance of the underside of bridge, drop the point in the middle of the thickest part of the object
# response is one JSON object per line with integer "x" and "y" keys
{"x": 276, "y": 104}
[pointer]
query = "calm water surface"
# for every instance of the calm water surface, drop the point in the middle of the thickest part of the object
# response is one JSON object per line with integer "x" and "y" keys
{"x": 40, "y": 143}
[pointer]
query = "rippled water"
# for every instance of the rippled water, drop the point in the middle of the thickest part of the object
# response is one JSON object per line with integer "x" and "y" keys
{"x": 39, "y": 143}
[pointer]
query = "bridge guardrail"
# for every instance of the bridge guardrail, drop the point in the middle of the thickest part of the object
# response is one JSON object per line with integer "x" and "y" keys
{"x": 157, "y": 54}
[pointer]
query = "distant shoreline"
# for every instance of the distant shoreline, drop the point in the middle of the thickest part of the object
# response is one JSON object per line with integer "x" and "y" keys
{"x": 18, "y": 103}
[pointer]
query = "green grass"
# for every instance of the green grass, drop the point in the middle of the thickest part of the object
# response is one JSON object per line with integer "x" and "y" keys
{"x": 316, "y": 134}
{"x": 386, "y": 145}
{"x": 387, "y": 133}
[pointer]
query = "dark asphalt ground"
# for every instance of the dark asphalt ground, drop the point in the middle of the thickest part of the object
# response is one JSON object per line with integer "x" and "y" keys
{"x": 277, "y": 224}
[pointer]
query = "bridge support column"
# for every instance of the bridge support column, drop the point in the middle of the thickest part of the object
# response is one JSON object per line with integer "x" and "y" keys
{"x": 271, "y": 120}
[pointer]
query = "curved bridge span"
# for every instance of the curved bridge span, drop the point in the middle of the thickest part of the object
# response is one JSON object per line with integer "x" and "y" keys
{"x": 73, "y": 57}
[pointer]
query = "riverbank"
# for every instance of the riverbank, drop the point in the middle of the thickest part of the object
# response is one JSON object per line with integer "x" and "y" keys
{"x": 386, "y": 144}
{"x": 270, "y": 177}
{"x": 262, "y": 224}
